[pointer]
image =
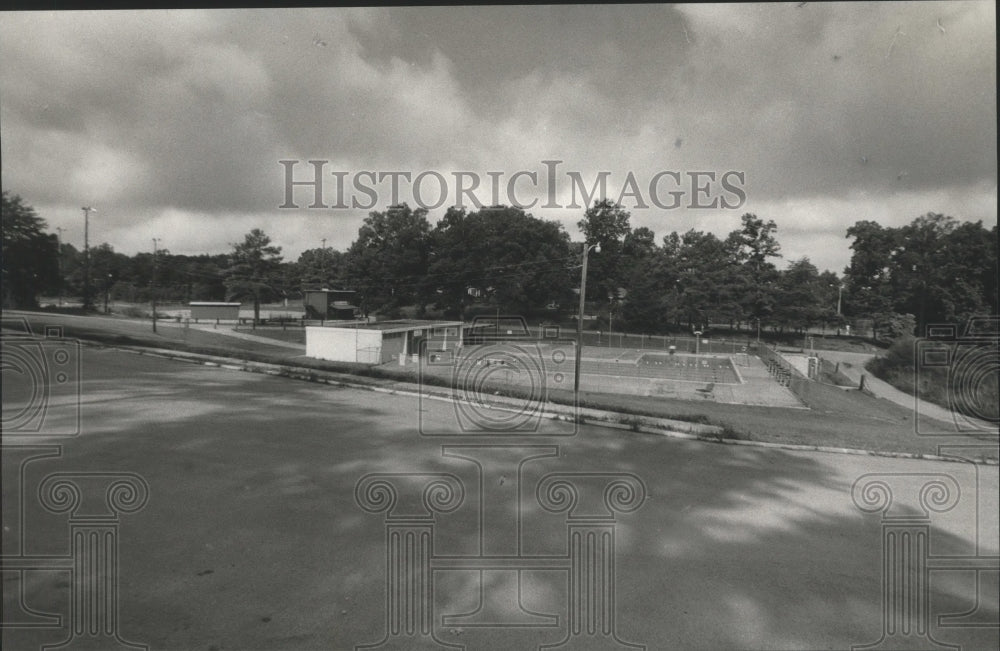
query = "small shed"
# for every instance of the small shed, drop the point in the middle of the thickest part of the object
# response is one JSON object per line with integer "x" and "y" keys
{"x": 333, "y": 304}
{"x": 214, "y": 311}
{"x": 381, "y": 342}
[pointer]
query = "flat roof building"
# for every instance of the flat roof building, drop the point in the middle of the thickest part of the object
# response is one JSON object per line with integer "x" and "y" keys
{"x": 333, "y": 304}
{"x": 383, "y": 341}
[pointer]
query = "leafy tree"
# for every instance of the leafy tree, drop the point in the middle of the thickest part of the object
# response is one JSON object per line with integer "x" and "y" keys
{"x": 669, "y": 269}
{"x": 963, "y": 280}
{"x": 868, "y": 290}
{"x": 639, "y": 244}
{"x": 71, "y": 262}
{"x": 322, "y": 267}
{"x": 757, "y": 240}
{"x": 178, "y": 277}
{"x": 706, "y": 267}
{"x": 511, "y": 257}
{"x": 800, "y": 292}
{"x": 30, "y": 260}
{"x": 388, "y": 262}
{"x": 934, "y": 268}
{"x": 829, "y": 294}
{"x": 106, "y": 268}
{"x": 893, "y": 326}
{"x": 202, "y": 276}
{"x": 253, "y": 265}
{"x": 639, "y": 251}
{"x": 916, "y": 266}
{"x": 644, "y": 305}
{"x": 607, "y": 223}
{"x": 286, "y": 281}
{"x": 755, "y": 244}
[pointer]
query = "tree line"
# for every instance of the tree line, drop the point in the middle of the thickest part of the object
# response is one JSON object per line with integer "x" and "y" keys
{"x": 935, "y": 269}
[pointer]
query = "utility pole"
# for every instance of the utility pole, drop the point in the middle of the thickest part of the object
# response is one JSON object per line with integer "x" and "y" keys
{"x": 59, "y": 231}
{"x": 611, "y": 320}
{"x": 153, "y": 284}
{"x": 87, "y": 303}
{"x": 322, "y": 264}
{"x": 921, "y": 318}
{"x": 579, "y": 318}
{"x": 107, "y": 291}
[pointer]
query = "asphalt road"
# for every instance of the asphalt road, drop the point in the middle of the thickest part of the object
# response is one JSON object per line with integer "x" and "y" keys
{"x": 253, "y": 536}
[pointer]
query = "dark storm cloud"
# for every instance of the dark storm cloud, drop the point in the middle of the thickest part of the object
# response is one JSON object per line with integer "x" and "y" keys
{"x": 174, "y": 120}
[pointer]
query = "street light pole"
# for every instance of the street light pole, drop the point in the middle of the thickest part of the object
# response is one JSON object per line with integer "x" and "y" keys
{"x": 86, "y": 257}
{"x": 840, "y": 293}
{"x": 322, "y": 264}
{"x": 611, "y": 320}
{"x": 153, "y": 283}
{"x": 579, "y": 319}
{"x": 59, "y": 262}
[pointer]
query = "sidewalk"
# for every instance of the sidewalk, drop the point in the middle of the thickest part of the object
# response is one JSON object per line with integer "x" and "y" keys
{"x": 853, "y": 366}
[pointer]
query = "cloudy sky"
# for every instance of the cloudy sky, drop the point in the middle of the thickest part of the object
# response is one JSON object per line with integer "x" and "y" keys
{"x": 172, "y": 123}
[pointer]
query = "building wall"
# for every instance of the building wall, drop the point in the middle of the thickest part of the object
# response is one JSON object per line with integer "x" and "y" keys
{"x": 340, "y": 296}
{"x": 392, "y": 346}
{"x": 317, "y": 302}
{"x": 342, "y": 313}
{"x": 443, "y": 338}
{"x": 375, "y": 346}
{"x": 213, "y": 312}
{"x": 343, "y": 344}
{"x": 369, "y": 346}
{"x": 323, "y": 304}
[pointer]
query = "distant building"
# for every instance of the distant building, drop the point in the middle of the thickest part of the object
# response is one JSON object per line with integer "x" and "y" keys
{"x": 214, "y": 311}
{"x": 330, "y": 304}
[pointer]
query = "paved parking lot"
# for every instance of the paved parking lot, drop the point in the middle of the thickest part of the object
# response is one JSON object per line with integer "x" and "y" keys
{"x": 256, "y": 533}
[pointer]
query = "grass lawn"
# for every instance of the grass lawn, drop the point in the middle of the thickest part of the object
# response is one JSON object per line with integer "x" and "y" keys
{"x": 291, "y": 334}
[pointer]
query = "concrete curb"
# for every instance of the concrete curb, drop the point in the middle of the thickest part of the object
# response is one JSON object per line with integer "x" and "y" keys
{"x": 616, "y": 420}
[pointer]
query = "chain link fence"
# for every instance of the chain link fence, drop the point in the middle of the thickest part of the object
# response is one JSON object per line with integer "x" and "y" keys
{"x": 687, "y": 345}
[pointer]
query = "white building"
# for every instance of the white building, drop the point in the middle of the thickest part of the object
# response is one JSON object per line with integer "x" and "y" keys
{"x": 381, "y": 342}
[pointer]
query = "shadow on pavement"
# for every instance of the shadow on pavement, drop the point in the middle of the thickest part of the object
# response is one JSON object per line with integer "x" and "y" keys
{"x": 253, "y": 537}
